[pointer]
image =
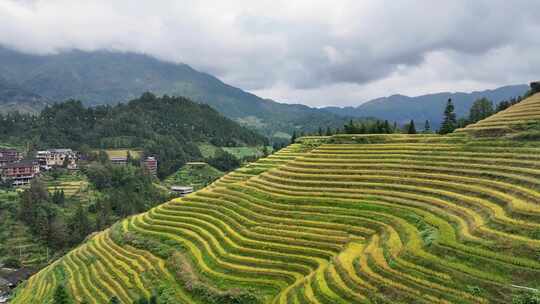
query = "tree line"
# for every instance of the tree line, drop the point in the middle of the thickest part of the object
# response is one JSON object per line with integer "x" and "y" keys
{"x": 480, "y": 109}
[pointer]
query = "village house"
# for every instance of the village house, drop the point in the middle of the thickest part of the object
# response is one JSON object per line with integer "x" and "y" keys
{"x": 56, "y": 158}
{"x": 10, "y": 279}
{"x": 150, "y": 165}
{"x": 20, "y": 173}
{"x": 9, "y": 156}
{"x": 119, "y": 160}
{"x": 181, "y": 190}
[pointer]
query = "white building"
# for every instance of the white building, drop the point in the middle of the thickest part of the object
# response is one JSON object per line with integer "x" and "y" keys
{"x": 56, "y": 157}
{"x": 182, "y": 190}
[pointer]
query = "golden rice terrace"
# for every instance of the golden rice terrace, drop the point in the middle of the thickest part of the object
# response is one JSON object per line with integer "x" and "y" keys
{"x": 342, "y": 219}
{"x": 516, "y": 118}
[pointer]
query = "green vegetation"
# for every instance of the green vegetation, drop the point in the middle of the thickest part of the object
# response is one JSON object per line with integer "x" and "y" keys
{"x": 196, "y": 174}
{"x": 449, "y": 123}
{"x": 523, "y": 116}
{"x": 348, "y": 218}
{"x": 59, "y": 210}
{"x": 248, "y": 152}
{"x": 169, "y": 128}
{"x": 384, "y": 218}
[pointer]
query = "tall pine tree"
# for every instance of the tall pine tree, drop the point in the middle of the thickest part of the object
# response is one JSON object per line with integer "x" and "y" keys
{"x": 293, "y": 137}
{"x": 411, "y": 129}
{"x": 328, "y": 131}
{"x": 427, "y": 127}
{"x": 450, "y": 122}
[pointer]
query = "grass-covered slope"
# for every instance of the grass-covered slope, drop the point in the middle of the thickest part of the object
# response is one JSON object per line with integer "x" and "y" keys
{"x": 519, "y": 117}
{"x": 345, "y": 219}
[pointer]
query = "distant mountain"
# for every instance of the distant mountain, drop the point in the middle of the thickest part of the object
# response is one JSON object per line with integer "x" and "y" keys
{"x": 104, "y": 77}
{"x": 430, "y": 107}
{"x": 15, "y": 98}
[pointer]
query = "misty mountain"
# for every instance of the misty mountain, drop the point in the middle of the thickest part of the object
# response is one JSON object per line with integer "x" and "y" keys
{"x": 104, "y": 77}
{"x": 15, "y": 98}
{"x": 402, "y": 109}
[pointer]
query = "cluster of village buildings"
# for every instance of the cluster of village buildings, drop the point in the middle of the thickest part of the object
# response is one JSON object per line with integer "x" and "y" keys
{"x": 20, "y": 171}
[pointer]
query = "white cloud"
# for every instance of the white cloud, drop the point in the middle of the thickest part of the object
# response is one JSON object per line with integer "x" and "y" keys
{"x": 312, "y": 52}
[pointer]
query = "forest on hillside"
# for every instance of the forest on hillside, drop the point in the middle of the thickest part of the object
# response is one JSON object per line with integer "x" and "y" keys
{"x": 167, "y": 127}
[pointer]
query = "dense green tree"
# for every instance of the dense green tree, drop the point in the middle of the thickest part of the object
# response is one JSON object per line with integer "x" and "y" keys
{"x": 58, "y": 197}
{"x": 411, "y": 129}
{"x": 59, "y": 236}
{"x": 61, "y": 295}
{"x": 328, "y": 131}
{"x": 103, "y": 214}
{"x": 480, "y": 109}
{"x": 449, "y": 122}
{"x": 535, "y": 87}
{"x": 31, "y": 199}
{"x": 293, "y": 137}
{"x": 427, "y": 127}
{"x": 224, "y": 161}
{"x": 168, "y": 127}
{"x": 79, "y": 224}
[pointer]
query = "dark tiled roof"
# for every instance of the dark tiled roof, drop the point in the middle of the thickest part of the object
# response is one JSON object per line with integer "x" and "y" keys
{"x": 23, "y": 163}
{"x": 19, "y": 275}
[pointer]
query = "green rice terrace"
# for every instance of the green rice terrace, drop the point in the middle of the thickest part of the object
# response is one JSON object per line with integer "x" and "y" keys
{"x": 342, "y": 219}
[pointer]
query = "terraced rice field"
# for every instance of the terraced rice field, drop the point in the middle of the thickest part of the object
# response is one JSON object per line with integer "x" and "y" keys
{"x": 73, "y": 185}
{"x": 514, "y": 118}
{"x": 345, "y": 219}
{"x": 123, "y": 152}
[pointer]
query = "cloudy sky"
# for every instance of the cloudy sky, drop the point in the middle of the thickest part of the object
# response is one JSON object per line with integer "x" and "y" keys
{"x": 312, "y": 52}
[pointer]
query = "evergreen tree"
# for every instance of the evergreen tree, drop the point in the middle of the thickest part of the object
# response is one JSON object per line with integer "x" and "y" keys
{"x": 480, "y": 109}
{"x": 293, "y": 137}
{"x": 61, "y": 295}
{"x": 427, "y": 127}
{"x": 386, "y": 127}
{"x": 450, "y": 122}
{"x": 328, "y": 131}
{"x": 320, "y": 132}
{"x": 79, "y": 224}
{"x": 411, "y": 129}
{"x": 350, "y": 128}
{"x": 103, "y": 214}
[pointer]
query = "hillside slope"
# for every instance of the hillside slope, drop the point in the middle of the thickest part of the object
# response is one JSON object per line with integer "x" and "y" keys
{"x": 169, "y": 128}
{"x": 105, "y": 77}
{"x": 15, "y": 98}
{"x": 520, "y": 117}
{"x": 342, "y": 219}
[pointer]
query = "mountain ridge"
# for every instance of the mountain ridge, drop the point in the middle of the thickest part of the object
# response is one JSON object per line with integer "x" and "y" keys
{"x": 106, "y": 77}
{"x": 110, "y": 77}
{"x": 426, "y": 107}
